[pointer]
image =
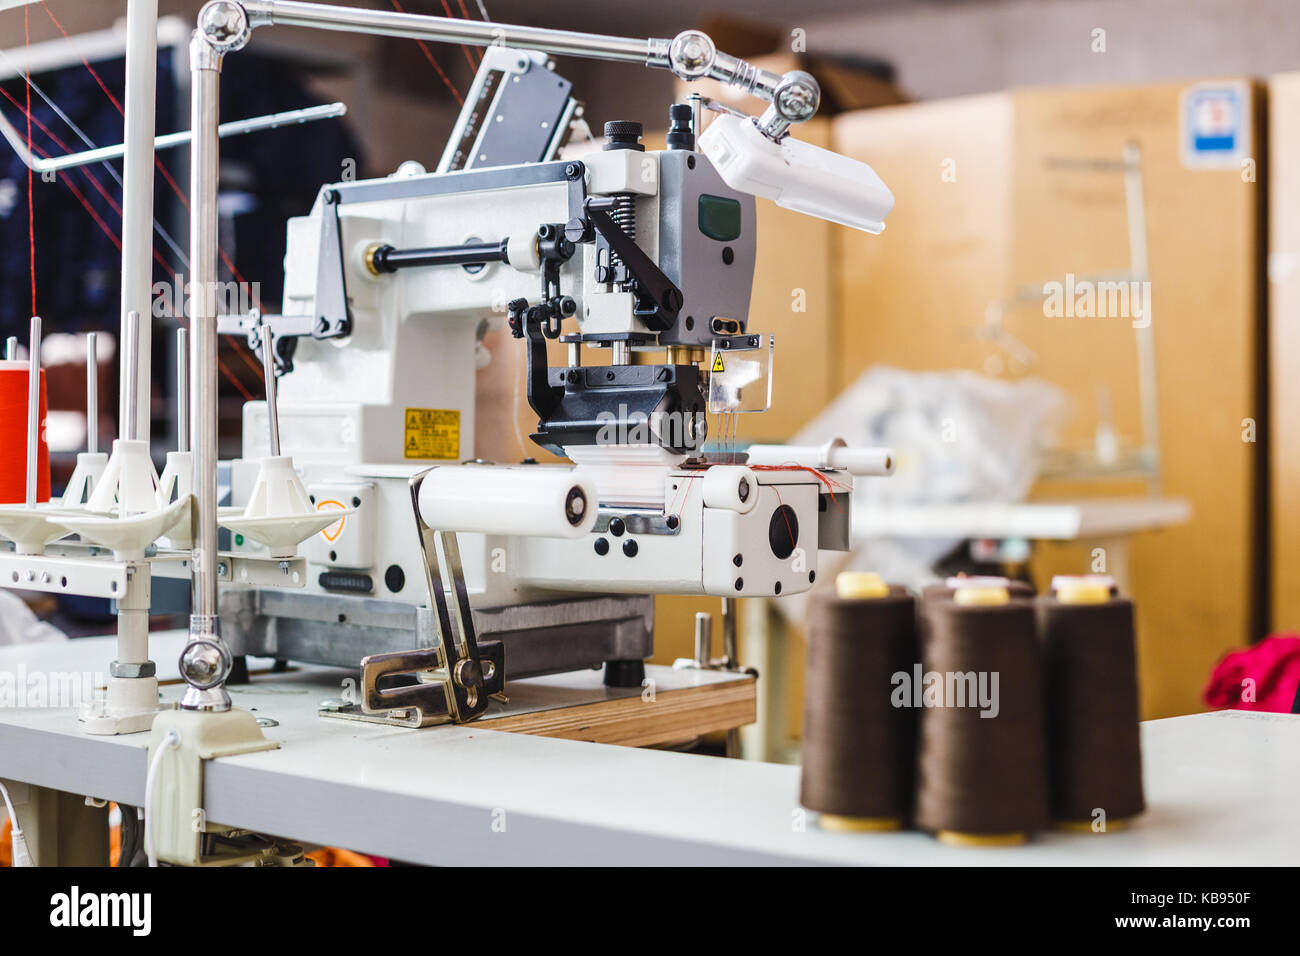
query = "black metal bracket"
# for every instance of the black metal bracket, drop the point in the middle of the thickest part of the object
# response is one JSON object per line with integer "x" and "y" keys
{"x": 658, "y": 298}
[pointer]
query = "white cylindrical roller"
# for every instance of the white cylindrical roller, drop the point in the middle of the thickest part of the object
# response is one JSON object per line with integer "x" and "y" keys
{"x": 532, "y": 500}
{"x": 521, "y": 250}
{"x": 733, "y": 487}
{"x": 834, "y": 454}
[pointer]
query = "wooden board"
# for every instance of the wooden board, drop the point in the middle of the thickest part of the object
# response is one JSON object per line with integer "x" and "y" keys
{"x": 639, "y": 720}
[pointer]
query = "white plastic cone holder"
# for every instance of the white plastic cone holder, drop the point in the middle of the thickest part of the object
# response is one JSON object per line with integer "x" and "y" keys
{"x": 176, "y": 482}
{"x": 280, "y": 514}
{"x": 129, "y": 484}
{"x": 85, "y": 479}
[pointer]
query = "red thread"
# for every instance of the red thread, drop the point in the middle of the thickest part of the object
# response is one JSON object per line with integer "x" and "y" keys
{"x": 428, "y": 55}
{"x": 239, "y": 348}
{"x": 84, "y": 61}
{"x": 469, "y": 57}
{"x": 465, "y": 16}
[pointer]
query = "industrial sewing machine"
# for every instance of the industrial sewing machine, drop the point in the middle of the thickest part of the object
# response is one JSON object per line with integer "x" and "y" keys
{"x": 363, "y": 530}
{"x": 390, "y": 284}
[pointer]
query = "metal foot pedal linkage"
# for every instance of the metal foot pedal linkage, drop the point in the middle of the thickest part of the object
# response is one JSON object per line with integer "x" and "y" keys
{"x": 456, "y": 678}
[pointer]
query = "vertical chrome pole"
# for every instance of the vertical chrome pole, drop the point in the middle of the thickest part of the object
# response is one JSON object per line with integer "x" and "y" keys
{"x": 730, "y": 655}
{"x": 11, "y": 348}
{"x": 33, "y": 408}
{"x": 703, "y": 638}
{"x": 137, "y": 205}
{"x": 182, "y": 390}
{"x": 92, "y": 392}
{"x": 272, "y": 410}
{"x": 205, "y": 663}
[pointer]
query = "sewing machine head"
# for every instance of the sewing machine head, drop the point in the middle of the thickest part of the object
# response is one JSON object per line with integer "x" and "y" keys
{"x": 643, "y": 257}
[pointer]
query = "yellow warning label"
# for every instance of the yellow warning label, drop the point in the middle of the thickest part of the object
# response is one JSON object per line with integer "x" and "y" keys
{"x": 717, "y": 363}
{"x": 432, "y": 433}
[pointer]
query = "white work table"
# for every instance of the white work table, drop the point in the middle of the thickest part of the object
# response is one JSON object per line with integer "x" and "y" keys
{"x": 1222, "y": 789}
{"x": 1031, "y": 520}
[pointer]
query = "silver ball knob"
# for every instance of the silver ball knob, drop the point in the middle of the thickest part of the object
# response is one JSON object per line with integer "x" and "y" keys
{"x": 205, "y": 664}
{"x": 797, "y": 97}
{"x": 224, "y": 24}
{"x": 691, "y": 54}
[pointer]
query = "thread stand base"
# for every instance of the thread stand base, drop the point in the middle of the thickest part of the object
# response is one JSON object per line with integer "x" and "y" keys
{"x": 129, "y": 708}
{"x": 955, "y": 838}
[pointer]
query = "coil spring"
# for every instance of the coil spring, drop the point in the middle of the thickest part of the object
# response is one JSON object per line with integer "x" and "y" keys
{"x": 624, "y": 215}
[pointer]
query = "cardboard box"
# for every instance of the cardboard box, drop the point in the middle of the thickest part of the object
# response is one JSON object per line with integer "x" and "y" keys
{"x": 983, "y": 209}
{"x": 1284, "y": 350}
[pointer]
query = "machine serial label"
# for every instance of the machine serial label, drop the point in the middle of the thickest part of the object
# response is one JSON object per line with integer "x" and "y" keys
{"x": 432, "y": 433}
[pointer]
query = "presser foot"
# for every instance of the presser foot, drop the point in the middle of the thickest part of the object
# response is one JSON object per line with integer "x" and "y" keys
{"x": 439, "y": 695}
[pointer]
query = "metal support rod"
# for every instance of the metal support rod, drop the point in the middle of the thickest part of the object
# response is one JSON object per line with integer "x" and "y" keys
{"x": 703, "y": 638}
{"x": 690, "y": 55}
{"x": 730, "y": 656}
{"x": 33, "y": 407}
{"x": 92, "y": 392}
{"x": 1140, "y": 267}
{"x": 100, "y": 154}
{"x": 137, "y": 211}
{"x": 268, "y": 372}
{"x": 11, "y": 348}
{"x": 130, "y": 369}
{"x": 182, "y": 390}
{"x": 205, "y": 70}
{"x": 445, "y": 30}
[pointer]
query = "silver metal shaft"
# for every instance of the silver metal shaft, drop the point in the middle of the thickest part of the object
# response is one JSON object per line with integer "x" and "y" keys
{"x": 11, "y": 348}
{"x": 205, "y": 67}
{"x": 130, "y": 426}
{"x": 99, "y": 154}
{"x": 730, "y": 655}
{"x": 693, "y": 59}
{"x": 703, "y": 638}
{"x": 92, "y": 392}
{"x": 182, "y": 390}
{"x": 272, "y": 409}
{"x": 445, "y": 29}
{"x": 33, "y": 407}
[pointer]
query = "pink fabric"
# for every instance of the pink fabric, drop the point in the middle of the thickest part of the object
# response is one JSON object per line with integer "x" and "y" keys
{"x": 1273, "y": 665}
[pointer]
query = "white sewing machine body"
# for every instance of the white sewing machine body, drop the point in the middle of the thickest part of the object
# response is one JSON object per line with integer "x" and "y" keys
{"x": 361, "y": 414}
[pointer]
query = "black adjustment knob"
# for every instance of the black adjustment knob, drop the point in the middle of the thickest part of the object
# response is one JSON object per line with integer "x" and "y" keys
{"x": 623, "y": 134}
{"x": 681, "y": 119}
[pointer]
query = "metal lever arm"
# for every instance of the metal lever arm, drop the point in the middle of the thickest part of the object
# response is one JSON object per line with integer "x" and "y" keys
{"x": 660, "y": 300}
{"x": 467, "y": 671}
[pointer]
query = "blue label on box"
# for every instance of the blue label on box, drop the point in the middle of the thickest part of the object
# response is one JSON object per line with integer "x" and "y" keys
{"x": 1214, "y": 124}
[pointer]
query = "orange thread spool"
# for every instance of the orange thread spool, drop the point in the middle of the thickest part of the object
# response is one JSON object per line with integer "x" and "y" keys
{"x": 13, "y": 437}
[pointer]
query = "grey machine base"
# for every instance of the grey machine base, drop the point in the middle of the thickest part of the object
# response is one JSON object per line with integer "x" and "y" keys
{"x": 546, "y": 637}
